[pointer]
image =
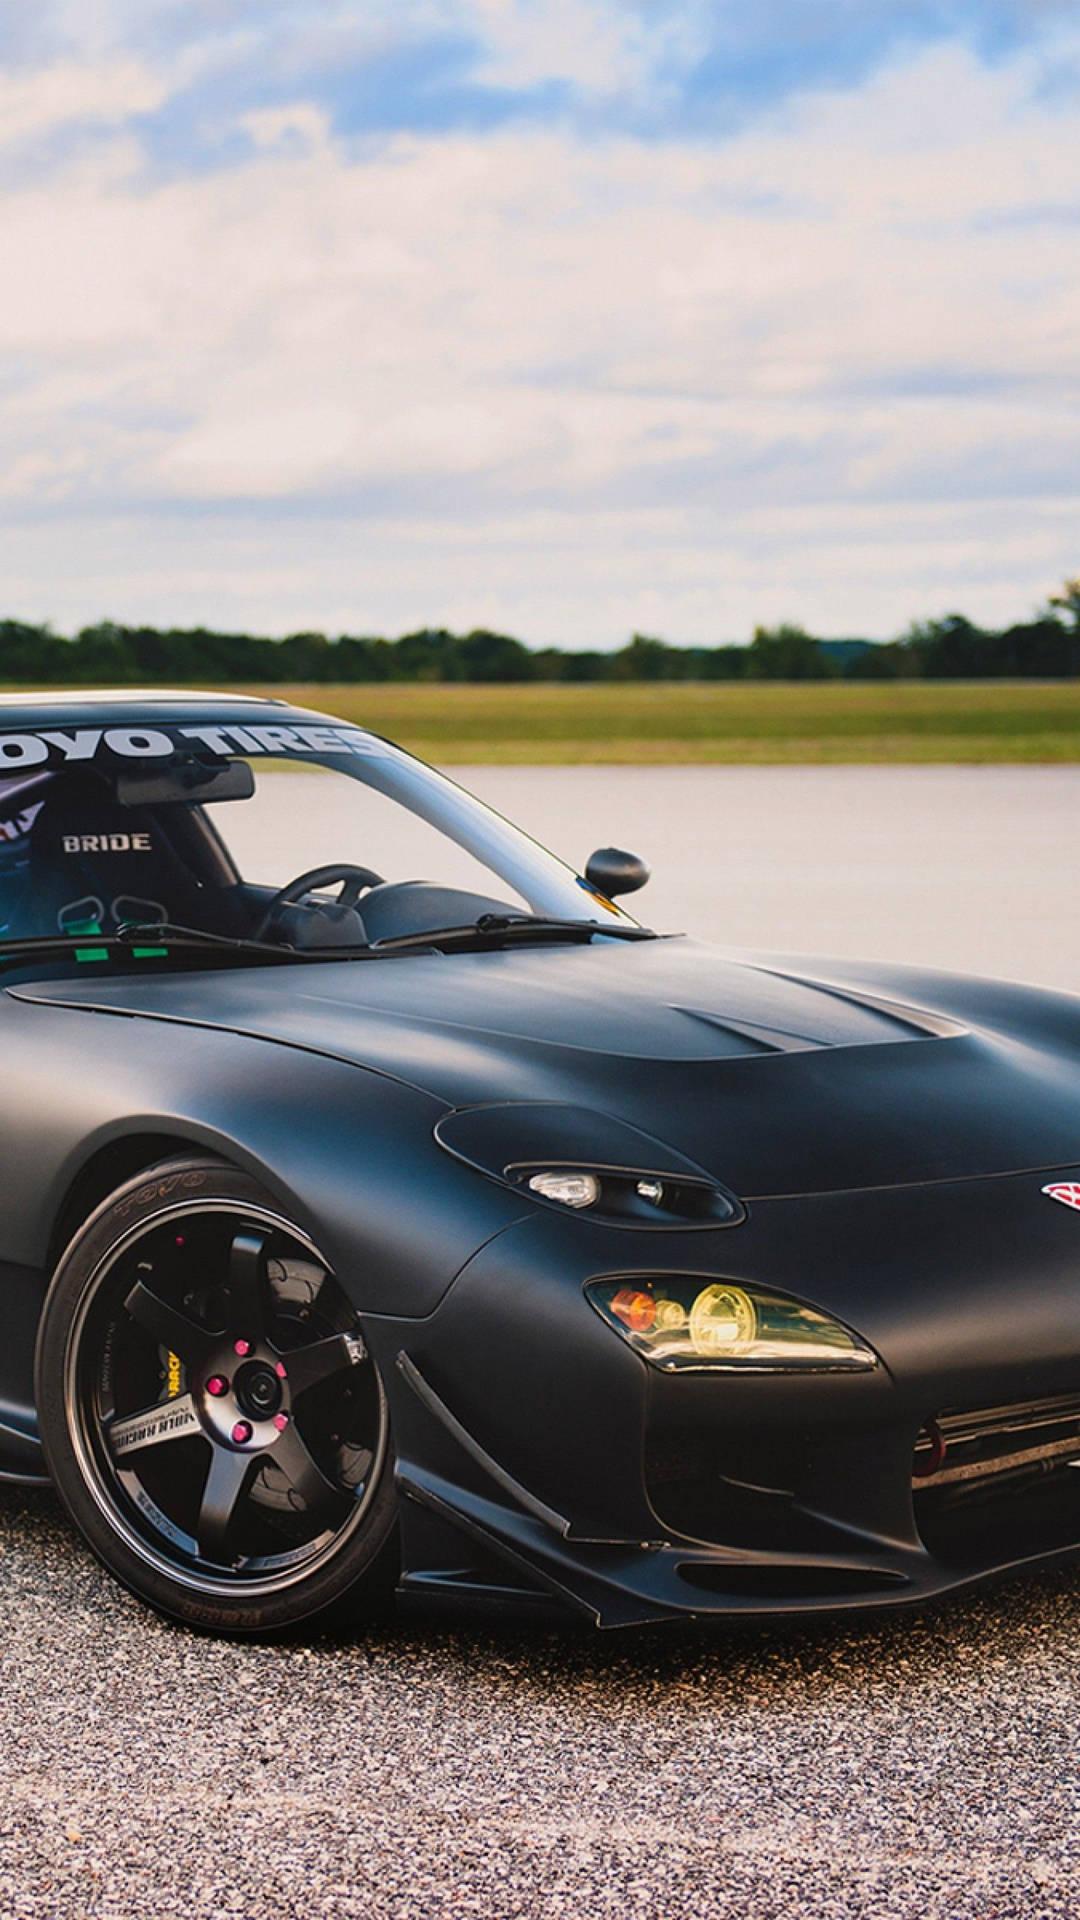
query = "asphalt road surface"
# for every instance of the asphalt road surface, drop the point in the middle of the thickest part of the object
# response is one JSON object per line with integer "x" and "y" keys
{"x": 972, "y": 868}
{"x": 905, "y": 1765}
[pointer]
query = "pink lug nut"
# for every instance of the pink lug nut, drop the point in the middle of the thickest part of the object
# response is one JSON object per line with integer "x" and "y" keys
{"x": 217, "y": 1385}
{"x": 280, "y": 1370}
{"x": 241, "y": 1432}
{"x": 281, "y": 1421}
{"x": 242, "y": 1347}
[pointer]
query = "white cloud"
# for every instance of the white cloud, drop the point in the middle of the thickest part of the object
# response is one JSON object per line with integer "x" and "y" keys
{"x": 593, "y": 45}
{"x": 44, "y": 101}
{"x": 277, "y": 126}
{"x": 825, "y": 370}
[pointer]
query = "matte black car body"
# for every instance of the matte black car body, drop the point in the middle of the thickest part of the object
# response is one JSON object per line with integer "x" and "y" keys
{"x": 887, "y": 1134}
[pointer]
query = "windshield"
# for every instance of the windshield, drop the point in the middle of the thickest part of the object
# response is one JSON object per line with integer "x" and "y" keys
{"x": 297, "y": 834}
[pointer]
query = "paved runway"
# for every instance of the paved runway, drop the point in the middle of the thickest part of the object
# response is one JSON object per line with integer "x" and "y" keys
{"x": 974, "y": 868}
{"x": 920, "y": 1768}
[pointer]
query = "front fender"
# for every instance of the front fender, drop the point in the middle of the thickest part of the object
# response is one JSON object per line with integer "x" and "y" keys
{"x": 348, "y": 1153}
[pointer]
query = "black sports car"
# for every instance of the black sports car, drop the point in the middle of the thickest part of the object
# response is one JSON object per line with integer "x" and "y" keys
{"x": 419, "y": 1218}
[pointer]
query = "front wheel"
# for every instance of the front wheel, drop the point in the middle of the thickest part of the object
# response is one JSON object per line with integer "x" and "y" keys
{"x": 208, "y": 1410}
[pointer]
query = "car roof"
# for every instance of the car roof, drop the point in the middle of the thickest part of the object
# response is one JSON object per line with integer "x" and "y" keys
{"x": 130, "y": 696}
{"x": 127, "y": 706}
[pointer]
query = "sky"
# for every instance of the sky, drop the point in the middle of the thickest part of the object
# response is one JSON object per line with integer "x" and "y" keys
{"x": 573, "y": 318}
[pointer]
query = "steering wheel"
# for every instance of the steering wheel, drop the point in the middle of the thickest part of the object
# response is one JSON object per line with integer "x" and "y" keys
{"x": 352, "y": 881}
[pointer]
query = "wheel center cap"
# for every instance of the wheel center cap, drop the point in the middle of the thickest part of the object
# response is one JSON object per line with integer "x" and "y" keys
{"x": 258, "y": 1390}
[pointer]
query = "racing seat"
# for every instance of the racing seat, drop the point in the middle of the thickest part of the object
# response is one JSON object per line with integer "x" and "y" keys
{"x": 95, "y": 864}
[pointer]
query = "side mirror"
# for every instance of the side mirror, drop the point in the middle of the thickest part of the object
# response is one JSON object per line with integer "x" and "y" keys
{"x": 611, "y": 871}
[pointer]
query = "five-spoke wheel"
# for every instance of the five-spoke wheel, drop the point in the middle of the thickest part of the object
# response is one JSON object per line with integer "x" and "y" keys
{"x": 208, "y": 1408}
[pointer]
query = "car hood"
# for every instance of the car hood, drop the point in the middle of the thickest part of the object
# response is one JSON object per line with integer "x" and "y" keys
{"x": 774, "y": 1083}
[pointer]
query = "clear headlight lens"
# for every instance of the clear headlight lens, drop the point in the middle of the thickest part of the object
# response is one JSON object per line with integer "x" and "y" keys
{"x": 570, "y": 1189}
{"x": 651, "y": 1191}
{"x": 633, "y": 1199}
{"x": 678, "y": 1323}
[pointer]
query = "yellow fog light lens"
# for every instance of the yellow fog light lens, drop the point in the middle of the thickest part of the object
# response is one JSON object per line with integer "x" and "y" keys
{"x": 682, "y": 1322}
{"x": 723, "y": 1323}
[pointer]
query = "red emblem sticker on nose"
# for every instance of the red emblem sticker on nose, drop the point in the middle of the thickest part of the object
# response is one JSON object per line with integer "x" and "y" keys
{"x": 1067, "y": 1191}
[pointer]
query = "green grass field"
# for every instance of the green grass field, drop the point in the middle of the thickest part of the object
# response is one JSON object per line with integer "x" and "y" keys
{"x": 723, "y": 724}
{"x": 998, "y": 722}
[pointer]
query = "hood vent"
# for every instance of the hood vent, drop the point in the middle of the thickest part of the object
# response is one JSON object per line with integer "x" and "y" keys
{"x": 893, "y": 1022}
{"x": 916, "y": 1020}
{"x": 762, "y": 1039}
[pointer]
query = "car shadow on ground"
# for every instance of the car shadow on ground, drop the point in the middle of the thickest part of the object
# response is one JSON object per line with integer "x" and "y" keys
{"x": 46, "y": 1565}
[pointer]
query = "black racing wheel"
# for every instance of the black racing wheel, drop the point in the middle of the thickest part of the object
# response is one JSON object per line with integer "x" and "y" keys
{"x": 208, "y": 1409}
{"x": 352, "y": 881}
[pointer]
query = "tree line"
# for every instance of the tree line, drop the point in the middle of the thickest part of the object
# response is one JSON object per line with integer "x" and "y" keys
{"x": 950, "y": 648}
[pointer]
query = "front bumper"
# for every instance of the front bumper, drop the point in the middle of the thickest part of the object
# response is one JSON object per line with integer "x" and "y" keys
{"x": 541, "y": 1458}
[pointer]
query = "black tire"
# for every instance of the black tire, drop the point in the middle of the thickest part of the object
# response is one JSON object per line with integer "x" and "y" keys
{"x": 243, "y": 1483}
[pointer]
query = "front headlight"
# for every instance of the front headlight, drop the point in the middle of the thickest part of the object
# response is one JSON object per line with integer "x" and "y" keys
{"x": 569, "y": 1189}
{"x": 679, "y": 1324}
{"x": 590, "y": 1163}
{"x": 632, "y": 1198}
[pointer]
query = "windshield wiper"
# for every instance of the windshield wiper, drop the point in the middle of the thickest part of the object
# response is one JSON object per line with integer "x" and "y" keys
{"x": 490, "y": 931}
{"x": 166, "y": 933}
{"x": 161, "y": 935}
{"x": 489, "y": 923}
{"x": 494, "y": 929}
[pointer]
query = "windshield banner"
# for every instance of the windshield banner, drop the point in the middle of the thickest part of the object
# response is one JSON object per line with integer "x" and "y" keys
{"x": 55, "y": 747}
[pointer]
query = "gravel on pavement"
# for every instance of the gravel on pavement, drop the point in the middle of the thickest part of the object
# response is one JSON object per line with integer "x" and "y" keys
{"x": 921, "y": 1765}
